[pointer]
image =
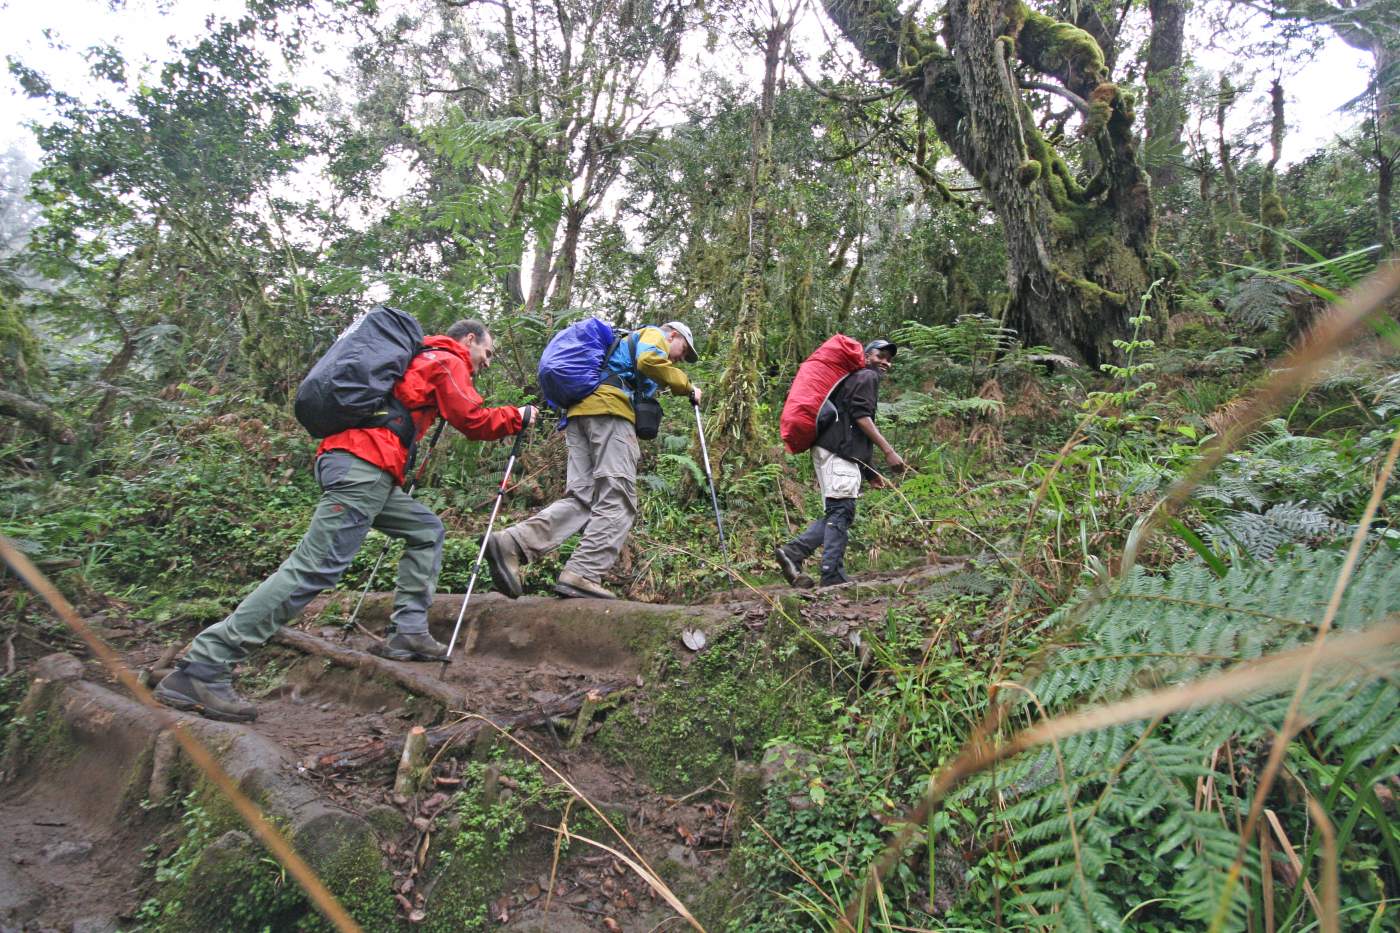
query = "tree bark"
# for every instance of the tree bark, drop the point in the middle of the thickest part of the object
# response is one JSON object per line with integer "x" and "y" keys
{"x": 1272, "y": 213}
{"x": 1387, "y": 141}
{"x": 1385, "y": 211}
{"x": 1166, "y": 109}
{"x": 1224, "y": 102}
{"x": 1079, "y": 257}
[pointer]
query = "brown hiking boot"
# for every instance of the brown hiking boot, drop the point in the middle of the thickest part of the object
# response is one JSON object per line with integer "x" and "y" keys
{"x": 417, "y": 647}
{"x": 213, "y": 699}
{"x": 792, "y": 569}
{"x": 505, "y": 566}
{"x": 574, "y": 585}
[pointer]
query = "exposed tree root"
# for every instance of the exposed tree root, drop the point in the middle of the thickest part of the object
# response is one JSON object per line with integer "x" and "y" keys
{"x": 377, "y": 750}
{"x": 419, "y": 678}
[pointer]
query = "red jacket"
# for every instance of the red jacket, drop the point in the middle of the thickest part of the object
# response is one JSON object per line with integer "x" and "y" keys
{"x": 438, "y": 383}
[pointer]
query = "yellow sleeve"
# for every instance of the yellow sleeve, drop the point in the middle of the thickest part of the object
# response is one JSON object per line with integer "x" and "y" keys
{"x": 655, "y": 365}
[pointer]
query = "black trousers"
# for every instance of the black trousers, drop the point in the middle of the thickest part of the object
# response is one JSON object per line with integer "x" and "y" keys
{"x": 829, "y": 533}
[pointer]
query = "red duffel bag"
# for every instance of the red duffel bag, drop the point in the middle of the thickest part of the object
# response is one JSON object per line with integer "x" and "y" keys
{"x": 818, "y": 375}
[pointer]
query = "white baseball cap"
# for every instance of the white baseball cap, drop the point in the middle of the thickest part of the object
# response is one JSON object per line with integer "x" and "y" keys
{"x": 678, "y": 327}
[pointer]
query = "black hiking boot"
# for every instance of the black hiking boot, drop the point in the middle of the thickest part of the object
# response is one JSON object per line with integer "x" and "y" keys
{"x": 213, "y": 698}
{"x": 505, "y": 567}
{"x": 417, "y": 647}
{"x": 791, "y": 568}
{"x": 575, "y": 585}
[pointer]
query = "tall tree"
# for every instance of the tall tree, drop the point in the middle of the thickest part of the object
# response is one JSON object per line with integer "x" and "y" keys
{"x": 1081, "y": 254}
{"x": 736, "y": 424}
{"x": 1166, "y": 105}
{"x": 1272, "y": 213}
{"x": 519, "y": 120}
{"x": 160, "y": 219}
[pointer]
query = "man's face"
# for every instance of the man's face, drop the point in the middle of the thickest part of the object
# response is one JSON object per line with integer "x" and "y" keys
{"x": 480, "y": 349}
{"x": 675, "y": 349}
{"x": 880, "y": 359}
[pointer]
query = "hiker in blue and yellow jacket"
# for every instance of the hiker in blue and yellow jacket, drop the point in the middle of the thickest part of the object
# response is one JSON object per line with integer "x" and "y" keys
{"x": 600, "y": 496}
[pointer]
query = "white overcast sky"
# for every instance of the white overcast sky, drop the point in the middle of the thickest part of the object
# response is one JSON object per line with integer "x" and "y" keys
{"x": 51, "y": 35}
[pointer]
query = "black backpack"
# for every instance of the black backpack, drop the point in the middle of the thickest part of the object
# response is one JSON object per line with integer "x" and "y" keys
{"x": 352, "y": 384}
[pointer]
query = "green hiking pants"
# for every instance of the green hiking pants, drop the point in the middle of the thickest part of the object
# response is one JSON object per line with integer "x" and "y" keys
{"x": 355, "y": 496}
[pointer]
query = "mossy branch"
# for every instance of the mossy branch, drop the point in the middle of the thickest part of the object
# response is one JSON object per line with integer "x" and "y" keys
{"x": 1061, "y": 50}
{"x": 1089, "y": 290}
{"x": 40, "y": 418}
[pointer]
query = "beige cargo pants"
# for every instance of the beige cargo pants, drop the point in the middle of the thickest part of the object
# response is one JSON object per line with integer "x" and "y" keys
{"x": 600, "y": 498}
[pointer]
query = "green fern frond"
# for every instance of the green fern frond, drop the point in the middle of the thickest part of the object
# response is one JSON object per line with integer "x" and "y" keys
{"x": 1134, "y": 806}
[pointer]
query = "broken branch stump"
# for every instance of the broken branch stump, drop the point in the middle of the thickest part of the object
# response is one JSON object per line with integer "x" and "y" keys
{"x": 410, "y": 773}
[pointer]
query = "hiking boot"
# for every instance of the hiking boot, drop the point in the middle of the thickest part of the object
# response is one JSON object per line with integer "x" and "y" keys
{"x": 505, "y": 566}
{"x": 573, "y": 585}
{"x": 791, "y": 568}
{"x": 420, "y": 646}
{"x": 213, "y": 699}
{"x": 834, "y": 579}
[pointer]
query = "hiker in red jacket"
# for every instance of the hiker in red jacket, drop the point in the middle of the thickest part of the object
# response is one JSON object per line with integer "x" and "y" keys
{"x": 361, "y": 472}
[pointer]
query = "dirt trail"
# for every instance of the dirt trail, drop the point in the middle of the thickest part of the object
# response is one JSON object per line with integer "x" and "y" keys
{"x": 73, "y": 834}
{"x": 73, "y": 855}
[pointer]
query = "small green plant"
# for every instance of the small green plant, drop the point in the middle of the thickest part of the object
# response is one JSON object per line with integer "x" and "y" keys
{"x": 1117, "y": 408}
{"x": 471, "y": 855}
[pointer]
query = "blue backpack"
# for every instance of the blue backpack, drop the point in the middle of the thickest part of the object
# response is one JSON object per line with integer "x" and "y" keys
{"x": 574, "y": 363}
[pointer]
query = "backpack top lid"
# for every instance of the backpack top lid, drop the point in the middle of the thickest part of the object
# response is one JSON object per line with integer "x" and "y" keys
{"x": 352, "y": 380}
{"x": 818, "y": 375}
{"x": 573, "y": 363}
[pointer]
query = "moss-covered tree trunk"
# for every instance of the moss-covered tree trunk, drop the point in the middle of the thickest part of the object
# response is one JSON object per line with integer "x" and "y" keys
{"x": 737, "y": 432}
{"x": 1385, "y": 188}
{"x": 1387, "y": 154}
{"x": 1079, "y": 256}
{"x": 1272, "y": 213}
{"x": 1223, "y": 102}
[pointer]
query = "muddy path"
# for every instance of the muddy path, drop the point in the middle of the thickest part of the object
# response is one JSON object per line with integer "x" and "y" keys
{"x": 95, "y": 798}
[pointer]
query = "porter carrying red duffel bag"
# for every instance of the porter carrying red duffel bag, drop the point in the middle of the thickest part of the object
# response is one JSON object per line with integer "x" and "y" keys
{"x": 818, "y": 375}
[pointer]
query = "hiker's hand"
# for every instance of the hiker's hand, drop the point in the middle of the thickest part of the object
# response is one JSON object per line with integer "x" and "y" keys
{"x": 529, "y": 414}
{"x": 895, "y": 460}
{"x": 878, "y": 481}
{"x": 695, "y": 395}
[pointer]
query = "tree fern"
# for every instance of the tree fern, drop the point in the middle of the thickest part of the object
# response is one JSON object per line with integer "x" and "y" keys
{"x": 917, "y": 408}
{"x": 1127, "y": 815}
{"x": 1261, "y": 534}
{"x": 1261, "y": 302}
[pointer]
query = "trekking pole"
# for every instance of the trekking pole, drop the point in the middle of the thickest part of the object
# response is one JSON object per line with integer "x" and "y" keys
{"x": 412, "y": 484}
{"x": 705, "y": 455}
{"x": 470, "y": 642}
